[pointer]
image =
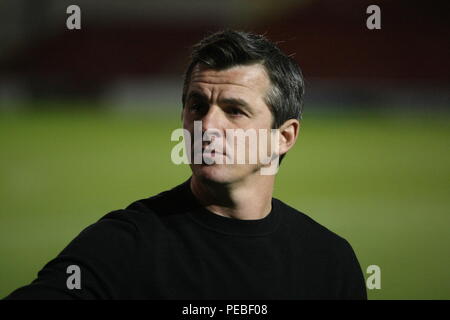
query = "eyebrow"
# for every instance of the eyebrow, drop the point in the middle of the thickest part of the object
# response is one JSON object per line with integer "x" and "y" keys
{"x": 233, "y": 101}
{"x": 197, "y": 95}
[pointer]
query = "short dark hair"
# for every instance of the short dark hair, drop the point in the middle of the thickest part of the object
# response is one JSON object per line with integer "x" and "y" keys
{"x": 229, "y": 48}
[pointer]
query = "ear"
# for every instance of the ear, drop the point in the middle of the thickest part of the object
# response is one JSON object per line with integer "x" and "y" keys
{"x": 288, "y": 135}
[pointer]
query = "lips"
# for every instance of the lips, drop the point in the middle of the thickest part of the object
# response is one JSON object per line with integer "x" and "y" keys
{"x": 212, "y": 153}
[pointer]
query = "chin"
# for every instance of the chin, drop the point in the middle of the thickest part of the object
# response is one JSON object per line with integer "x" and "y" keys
{"x": 220, "y": 173}
{"x": 212, "y": 173}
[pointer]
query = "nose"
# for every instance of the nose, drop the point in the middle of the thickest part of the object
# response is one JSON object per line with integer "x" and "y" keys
{"x": 212, "y": 119}
{"x": 212, "y": 123}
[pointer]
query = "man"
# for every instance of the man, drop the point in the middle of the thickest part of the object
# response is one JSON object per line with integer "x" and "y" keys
{"x": 220, "y": 234}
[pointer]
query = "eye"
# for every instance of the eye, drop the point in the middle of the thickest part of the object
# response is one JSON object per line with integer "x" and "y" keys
{"x": 196, "y": 107}
{"x": 235, "y": 111}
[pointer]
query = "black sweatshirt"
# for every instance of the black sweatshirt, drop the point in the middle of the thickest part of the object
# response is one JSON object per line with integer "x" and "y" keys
{"x": 170, "y": 247}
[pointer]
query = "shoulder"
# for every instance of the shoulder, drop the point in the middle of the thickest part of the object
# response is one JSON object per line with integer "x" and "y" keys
{"x": 151, "y": 212}
{"x": 125, "y": 228}
{"x": 326, "y": 247}
{"x": 307, "y": 230}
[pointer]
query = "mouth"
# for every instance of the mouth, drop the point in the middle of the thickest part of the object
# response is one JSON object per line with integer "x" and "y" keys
{"x": 212, "y": 153}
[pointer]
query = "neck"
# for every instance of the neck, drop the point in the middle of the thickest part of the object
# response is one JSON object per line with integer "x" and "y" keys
{"x": 250, "y": 199}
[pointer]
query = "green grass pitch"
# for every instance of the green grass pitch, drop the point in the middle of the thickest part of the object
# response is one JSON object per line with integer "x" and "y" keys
{"x": 381, "y": 181}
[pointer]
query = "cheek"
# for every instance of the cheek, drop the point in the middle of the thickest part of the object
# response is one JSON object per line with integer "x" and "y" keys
{"x": 187, "y": 123}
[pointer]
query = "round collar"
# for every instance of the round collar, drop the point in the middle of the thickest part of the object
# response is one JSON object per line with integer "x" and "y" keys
{"x": 226, "y": 225}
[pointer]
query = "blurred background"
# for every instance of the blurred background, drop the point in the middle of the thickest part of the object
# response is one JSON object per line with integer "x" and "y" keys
{"x": 86, "y": 117}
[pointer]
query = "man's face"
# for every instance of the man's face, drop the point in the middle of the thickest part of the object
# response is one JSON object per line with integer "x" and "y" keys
{"x": 227, "y": 99}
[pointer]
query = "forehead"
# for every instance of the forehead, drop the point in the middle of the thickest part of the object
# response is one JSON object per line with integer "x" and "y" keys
{"x": 248, "y": 79}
